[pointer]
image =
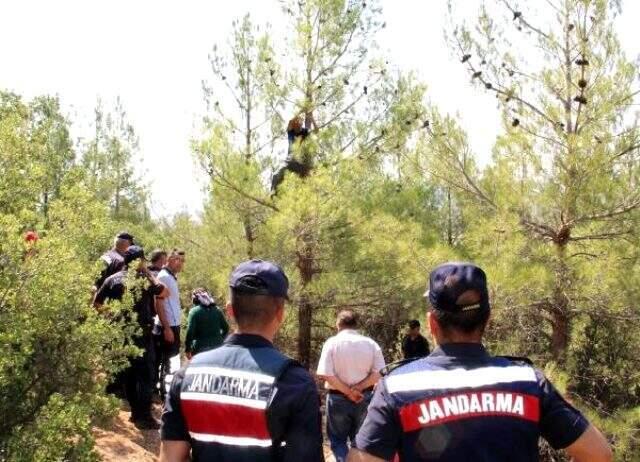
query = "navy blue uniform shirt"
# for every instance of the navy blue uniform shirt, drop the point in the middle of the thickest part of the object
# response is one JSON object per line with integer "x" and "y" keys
{"x": 113, "y": 262}
{"x": 143, "y": 296}
{"x": 461, "y": 404}
{"x": 293, "y": 415}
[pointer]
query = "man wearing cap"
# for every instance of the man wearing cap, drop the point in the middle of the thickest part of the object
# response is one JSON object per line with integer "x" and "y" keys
{"x": 245, "y": 401}
{"x": 138, "y": 377}
{"x": 350, "y": 363}
{"x": 113, "y": 260}
{"x": 460, "y": 403}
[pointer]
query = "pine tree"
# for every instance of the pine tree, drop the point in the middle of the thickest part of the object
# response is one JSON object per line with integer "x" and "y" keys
{"x": 565, "y": 173}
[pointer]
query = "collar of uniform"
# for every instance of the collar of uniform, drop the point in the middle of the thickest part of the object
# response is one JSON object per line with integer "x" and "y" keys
{"x": 460, "y": 349}
{"x": 248, "y": 340}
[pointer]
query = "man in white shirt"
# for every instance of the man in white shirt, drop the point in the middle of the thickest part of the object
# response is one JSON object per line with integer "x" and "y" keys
{"x": 169, "y": 319}
{"x": 350, "y": 364}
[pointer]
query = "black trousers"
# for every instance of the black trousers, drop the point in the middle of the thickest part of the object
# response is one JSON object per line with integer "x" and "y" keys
{"x": 138, "y": 377}
{"x": 164, "y": 352}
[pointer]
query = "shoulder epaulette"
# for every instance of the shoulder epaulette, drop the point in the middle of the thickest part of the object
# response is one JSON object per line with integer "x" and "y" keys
{"x": 389, "y": 368}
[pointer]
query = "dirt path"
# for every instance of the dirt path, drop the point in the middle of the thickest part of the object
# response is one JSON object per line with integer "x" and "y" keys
{"x": 122, "y": 441}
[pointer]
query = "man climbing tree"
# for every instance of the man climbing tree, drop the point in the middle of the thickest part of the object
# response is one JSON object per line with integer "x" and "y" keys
{"x": 299, "y": 160}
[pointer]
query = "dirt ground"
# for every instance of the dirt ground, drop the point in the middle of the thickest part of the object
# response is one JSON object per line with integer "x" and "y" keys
{"x": 122, "y": 441}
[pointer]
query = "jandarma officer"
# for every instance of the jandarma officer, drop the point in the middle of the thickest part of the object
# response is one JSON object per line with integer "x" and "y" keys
{"x": 462, "y": 404}
{"x": 245, "y": 401}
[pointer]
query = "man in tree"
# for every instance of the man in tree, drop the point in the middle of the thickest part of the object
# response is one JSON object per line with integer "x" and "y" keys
{"x": 298, "y": 160}
{"x": 414, "y": 345}
{"x": 245, "y": 401}
{"x": 460, "y": 403}
{"x": 113, "y": 259}
{"x": 138, "y": 377}
{"x": 350, "y": 364}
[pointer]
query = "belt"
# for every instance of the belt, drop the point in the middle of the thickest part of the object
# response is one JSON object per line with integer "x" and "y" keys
{"x": 337, "y": 392}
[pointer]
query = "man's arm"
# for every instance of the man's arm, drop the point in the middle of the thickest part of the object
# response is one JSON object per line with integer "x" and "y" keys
{"x": 353, "y": 394}
{"x": 162, "y": 315}
{"x": 175, "y": 451}
{"x": 592, "y": 446}
{"x": 368, "y": 382}
{"x": 304, "y": 428}
{"x": 100, "y": 297}
{"x": 355, "y": 455}
{"x": 380, "y": 434}
{"x": 174, "y": 435}
{"x": 564, "y": 427}
{"x": 405, "y": 347}
{"x": 191, "y": 331}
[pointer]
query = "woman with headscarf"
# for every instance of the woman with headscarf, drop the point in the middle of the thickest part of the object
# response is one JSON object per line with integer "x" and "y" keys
{"x": 207, "y": 327}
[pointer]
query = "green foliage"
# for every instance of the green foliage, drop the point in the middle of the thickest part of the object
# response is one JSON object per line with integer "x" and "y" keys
{"x": 58, "y": 353}
{"x": 108, "y": 164}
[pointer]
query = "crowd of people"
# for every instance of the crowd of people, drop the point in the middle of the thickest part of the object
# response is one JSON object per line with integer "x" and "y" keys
{"x": 240, "y": 399}
{"x": 156, "y": 306}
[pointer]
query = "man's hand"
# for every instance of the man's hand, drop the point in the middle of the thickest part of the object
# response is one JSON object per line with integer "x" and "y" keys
{"x": 175, "y": 451}
{"x": 355, "y": 395}
{"x": 167, "y": 333}
{"x": 358, "y": 456}
{"x": 592, "y": 446}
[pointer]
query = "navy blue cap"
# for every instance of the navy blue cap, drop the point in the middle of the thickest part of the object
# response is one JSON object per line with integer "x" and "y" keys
{"x": 125, "y": 235}
{"x": 259, "y": 277}
{"x": 133, "y": 253}
{"x": 450, "y": 280}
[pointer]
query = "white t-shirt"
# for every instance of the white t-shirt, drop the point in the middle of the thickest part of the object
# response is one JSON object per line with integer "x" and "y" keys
{"x": 350, "y": 357}
{"x": 172, "y": 302}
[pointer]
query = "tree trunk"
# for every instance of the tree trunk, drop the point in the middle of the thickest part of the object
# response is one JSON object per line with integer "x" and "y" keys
{"x": 305, "y": 266}
{"x": 249, "y": 237}
{"x": 306, "y": 261}
{"x": 560, "y": 317}
{"x": 449, "y": 219}
{"x": 305, "y": 315}
{"x": 559, "y": 336}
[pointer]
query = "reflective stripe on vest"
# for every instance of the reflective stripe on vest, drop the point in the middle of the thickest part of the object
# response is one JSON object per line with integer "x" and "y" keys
{"x": 227, "y": 406}
{"x": 459, "y": 394}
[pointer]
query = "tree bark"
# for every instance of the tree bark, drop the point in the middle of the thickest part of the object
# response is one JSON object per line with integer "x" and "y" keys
{"x": 305, "y": 265}
{"x": 560, "y": 317}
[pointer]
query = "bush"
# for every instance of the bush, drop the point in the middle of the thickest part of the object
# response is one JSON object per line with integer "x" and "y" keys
{"x": 57, "y": 352}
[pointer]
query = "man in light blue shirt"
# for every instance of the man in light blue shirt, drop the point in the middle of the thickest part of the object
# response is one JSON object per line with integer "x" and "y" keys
{"x": 169, "y": 317}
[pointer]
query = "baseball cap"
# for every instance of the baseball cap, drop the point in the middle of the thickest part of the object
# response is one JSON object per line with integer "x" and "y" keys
{"x": 259, "y": 277}
{"x": 125, "y": 235}
{"x": 133, "y": 253}
{"x": 450, "y": 280}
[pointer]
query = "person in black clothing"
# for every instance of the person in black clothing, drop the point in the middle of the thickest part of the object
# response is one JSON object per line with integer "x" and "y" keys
{"x": 414, "y": 345}
{"x": 138, "y": 377}
{"x": 113, "y": 260}
{"x": 461, "y": 403}
{"x": 298, "y": 159}
{"x": 245, "y": 401}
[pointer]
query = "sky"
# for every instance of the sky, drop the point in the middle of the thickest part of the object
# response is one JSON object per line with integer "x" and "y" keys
{"x": 153, "y": 54}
